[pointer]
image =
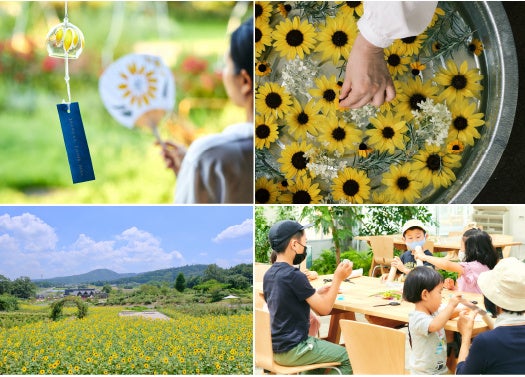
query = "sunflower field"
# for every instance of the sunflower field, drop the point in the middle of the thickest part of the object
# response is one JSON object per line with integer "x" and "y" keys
{"x": 309, "y": 150}
{"x": 104, "y": 343}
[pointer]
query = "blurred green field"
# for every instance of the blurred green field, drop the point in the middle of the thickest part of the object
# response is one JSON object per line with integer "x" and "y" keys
{"x": 128, "y": 166}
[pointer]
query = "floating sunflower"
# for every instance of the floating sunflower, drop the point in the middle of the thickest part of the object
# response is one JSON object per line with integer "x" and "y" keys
{"x": 284, "y": 9}
{"x": 262, "y": 69}
{"x": 302, "y": 191}
{"x": 458, "y": 83}
{"x": 351, "y": 186}
{"x": 327, "y": 93}
{"x": 363, "y": 150}
{"x": 475, "y": 46}
{"x": 294, "y": 159}
{"x": 388, "y": 132}
{"x": 436, "y": 46}
{"x": 402, "y": 184}
{"x": 465, "y": 122}
{"x": 416, "y": 68}
{"x": 435, "y": 166}
{"x": 413, "y": 92}
{"x": 266, "y": 191}
{"x": 265, "y": 131}
{"x": 389, "y": 106}
{"x": 263, "y": 11}
{"x": 263, "y": 36}
{"x": 302, "y": 120}
{"x": 410, "y": 45}
{"x": 455, "y": 146}
{"x": 294, "y": 38}
{"x": 437, "y": 13}
{"x": 351, "y": 8}
{"x": 336, "y": 38}
{"x": 396, "y": 63}
{"x": 272, "y": 99}
{"x": 339, "y": 135}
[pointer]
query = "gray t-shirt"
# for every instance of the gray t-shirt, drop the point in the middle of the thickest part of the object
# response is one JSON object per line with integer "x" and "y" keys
{"x": 429, "y": 350}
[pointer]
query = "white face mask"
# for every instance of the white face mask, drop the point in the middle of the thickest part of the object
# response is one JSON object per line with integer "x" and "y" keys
{"x": 461, "y": 256}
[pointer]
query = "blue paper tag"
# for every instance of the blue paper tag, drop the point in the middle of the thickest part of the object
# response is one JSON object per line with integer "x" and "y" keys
{"x": 76, "y": 143}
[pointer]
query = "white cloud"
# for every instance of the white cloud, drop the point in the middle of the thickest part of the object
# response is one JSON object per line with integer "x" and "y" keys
{"x": 248, "y": 251}
{"x": 30, "y": 232}
{"x": 235, "y": 231}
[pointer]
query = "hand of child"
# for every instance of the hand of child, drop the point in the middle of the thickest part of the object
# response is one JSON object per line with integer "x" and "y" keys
{"x": 398, "y": 264}
{"x": 449, "y": 284}
{"x": 466, "y": 322}
{"x": 419, "y": 253}
{"x": 454, "y": 299}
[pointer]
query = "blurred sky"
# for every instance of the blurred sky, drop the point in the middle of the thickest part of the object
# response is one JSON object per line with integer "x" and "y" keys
{"x": 51, "y": 241}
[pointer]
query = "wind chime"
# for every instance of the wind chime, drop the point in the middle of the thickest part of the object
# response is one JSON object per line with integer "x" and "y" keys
{"x": 66, "y": 41}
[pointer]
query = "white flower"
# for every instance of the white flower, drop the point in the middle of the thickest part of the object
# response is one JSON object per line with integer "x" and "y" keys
{"x": 433, "y": 121}
{"x": 298, "y": 75}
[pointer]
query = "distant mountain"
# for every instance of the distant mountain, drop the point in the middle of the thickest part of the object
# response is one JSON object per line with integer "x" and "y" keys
{"x": 102, "y": 274}
{"x": 168, "y": 274}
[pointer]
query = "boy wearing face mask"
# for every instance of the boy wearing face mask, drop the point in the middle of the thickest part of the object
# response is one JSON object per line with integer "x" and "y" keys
{"x": 290, "y": 296}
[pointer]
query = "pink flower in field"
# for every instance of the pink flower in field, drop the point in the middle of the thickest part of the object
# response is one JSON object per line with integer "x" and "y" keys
{"x": 49, "y": 64}
{"x": 194, "y": 65}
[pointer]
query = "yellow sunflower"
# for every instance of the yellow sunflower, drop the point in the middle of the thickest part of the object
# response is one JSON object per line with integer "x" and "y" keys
{"x": 436, "y": 46}
{"x": 388, "y": 132}
{"x": 284, "y": 9}
{"x": 265, "y": 131}
{"x": 262, "y": 35}
{"x": 455, "y": 146}
{"x": 410, "y": 45}
{"x": 380, "y": 198}
{"x": 294, "y": 38}
{"x": 327, "y": 92}
{"x": 336, "y": 38}
{"x": 266, "y": 191}
{"x": 437, "y": 13}
{"x": 351, "y": 186}
{"x": 412, "y": 93}
{"x": 351, "y": 8}
{"x": 402, "y": 184}
{"x": 389, "y": 106}
{"x": 363, "y": 150}
{"x": 272, "y": 99}
{"x": 263, "y": 11}
{"x": 302, "y": 191}
{"x": 339, "y": 135}
{"x": 303, "y": 120}
{"x": 294, "y": 160}
{"x": 416, "y": 68}
{"x": 435, "y": 165}
{"x": 262, "y": 69}
{"x": 465, "y": 121}
{"x": 458, "y": 83}
{"x": 396, "y": 63}
{"x": 475, "y": 46}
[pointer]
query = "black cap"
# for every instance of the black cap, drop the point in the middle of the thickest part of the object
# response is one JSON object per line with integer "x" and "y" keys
{"x": 281, "y": 232}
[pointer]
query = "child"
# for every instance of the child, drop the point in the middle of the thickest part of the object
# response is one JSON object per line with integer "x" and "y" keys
{"x": 480, "y": 256}
{"x": 423, "y": 286}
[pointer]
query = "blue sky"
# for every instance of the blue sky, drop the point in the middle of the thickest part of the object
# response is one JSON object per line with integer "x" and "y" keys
{"x": 51, "y": 241}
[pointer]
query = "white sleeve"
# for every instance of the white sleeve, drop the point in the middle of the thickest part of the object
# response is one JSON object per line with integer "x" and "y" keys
{"x": 384, "y": 21}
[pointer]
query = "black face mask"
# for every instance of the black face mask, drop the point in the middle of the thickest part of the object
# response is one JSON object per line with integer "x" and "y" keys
{"x": 299, "y": 258}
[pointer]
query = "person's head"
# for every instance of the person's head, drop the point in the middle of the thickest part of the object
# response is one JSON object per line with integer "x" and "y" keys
{"x": 414, "y": 234}
{"x": 505, "y": 285}
{"x": 288, "y": 235}
{"x": 466, "y": 234}
{"x": 237, "y": 74}
{"x": 424, "y": 284}
{"x": 478, "y": 247}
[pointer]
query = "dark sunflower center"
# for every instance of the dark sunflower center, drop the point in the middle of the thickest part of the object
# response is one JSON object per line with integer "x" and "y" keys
{"x": 302, "y": 118}
{"x": 434, "y": 162}
{"x": 388, "y": 132}
{"x": 258, "y": 10}
{"x": 351, "y": 187}
{"x": 262, "y": 68}
{"x": 363, "y": 147}
{"x": 415, "y": 99}
{"x": 294, "y": 38}
{"x": 353, "y": 4}
{"x": 460, "y": 123}
{"x": 339, "y": 38}
{"x": 394, "y": 60}
{"x": 409, "y": 40}
{"x": 287, "y": 7}
{"x": 262, "y": 195}
{"x": 273, "y": 100}
{"x": 472, "y": 47}
{"x": 339, "y": 134}
{"x": 459, "y": 82}
{"x": 299, "y": 161}
{"x": 284, "y": 183}
{"x": 437, "y": 46}
{"x": 262, "y": 131}
{"x": 456, "y": 147}
{"x": 403, "y": 183}
{"x": 415, "y": 71}
{"x": 339, "y": 83}
{"x": 301, "y": 197}
{"x": 329, "y": 95}
{"x": 258, "y": 35}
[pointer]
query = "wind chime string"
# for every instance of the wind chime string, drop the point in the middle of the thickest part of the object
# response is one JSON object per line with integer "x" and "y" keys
{"x": 66, "y": 77}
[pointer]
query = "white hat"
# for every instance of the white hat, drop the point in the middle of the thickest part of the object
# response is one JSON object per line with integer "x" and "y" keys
{"x": 505, "y": 284}
{"x": 413, "y": 224}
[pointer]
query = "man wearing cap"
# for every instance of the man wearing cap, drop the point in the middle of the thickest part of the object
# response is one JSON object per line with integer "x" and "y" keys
{"x": 290, "y": 296}
{"x": 415, "y": 236}
{"x": 502, "y": 350}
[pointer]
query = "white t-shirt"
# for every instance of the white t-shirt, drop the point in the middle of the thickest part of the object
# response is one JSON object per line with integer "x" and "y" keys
{"x": 384, "y": 21}
{"x": 429, "y": 350}
{"x": 218, "y": 168}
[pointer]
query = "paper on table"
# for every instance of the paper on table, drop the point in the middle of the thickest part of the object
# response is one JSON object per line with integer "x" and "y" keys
{"x": 356, "y": 273}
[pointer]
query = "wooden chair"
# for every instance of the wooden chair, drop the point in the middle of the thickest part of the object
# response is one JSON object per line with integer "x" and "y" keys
{"x": 259, "y": 269}
{"x": 264, "y": 352}
{"x": 429, "y": 245}
{"x": 383, "y": 253}
{"x": 374, "y": 349}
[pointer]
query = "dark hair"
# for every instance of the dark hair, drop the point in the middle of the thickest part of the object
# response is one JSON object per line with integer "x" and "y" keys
{"x": 419, "y": 279}
{"x": 478, "y": 247}
{"x": 241, "y": 47}
{"x": 282, "y": 247}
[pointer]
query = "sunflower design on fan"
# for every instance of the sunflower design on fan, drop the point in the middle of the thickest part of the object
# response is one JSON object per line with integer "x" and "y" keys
{"x": 139, "y": 85}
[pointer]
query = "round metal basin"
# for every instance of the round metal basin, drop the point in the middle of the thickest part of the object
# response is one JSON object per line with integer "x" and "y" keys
{"x": 498, "y": 63}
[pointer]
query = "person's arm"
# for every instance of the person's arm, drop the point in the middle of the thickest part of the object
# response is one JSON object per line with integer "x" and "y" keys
{"x": 465, "y": 325}
{"x": 322, "y": 301}
{"x": 441, "y": 263}
{"x": 441, "y": 319}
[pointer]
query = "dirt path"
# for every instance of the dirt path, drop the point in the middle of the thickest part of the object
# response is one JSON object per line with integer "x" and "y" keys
{"x": 152, "y": 314}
